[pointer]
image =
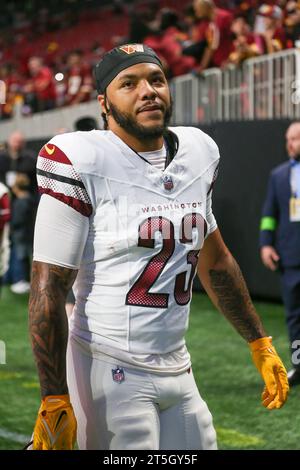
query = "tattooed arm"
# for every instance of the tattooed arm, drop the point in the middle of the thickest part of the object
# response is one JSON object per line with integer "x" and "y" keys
{"x": 222, "y": 279}
{"x": 48, "y": 324}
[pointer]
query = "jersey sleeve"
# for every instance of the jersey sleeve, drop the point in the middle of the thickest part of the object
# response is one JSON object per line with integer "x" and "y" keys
{"x": 57, "y": 177}
{"x": 60, "y": 233}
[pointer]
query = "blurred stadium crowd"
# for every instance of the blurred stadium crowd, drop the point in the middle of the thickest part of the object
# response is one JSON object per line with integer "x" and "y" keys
{"x": 47, "y": 50}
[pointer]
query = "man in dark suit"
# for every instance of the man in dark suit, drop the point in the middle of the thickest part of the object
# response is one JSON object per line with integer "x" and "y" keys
{"x": 280, "y": 238}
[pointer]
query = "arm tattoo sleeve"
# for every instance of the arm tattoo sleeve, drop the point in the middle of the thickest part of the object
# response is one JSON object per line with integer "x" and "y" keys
{"x": 48, "y": 324}
{"x": 234, "y": 301}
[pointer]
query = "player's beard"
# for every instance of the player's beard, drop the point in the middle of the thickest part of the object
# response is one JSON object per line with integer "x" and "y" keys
{"x": 130, "y": 125}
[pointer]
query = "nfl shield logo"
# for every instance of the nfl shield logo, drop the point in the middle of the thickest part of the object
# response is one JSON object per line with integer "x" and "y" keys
{"x": 168, "y": 182}
{"x": 118, "y": 375}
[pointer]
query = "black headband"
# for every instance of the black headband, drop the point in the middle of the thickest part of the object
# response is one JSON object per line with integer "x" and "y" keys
{"x": 121, "y": 58}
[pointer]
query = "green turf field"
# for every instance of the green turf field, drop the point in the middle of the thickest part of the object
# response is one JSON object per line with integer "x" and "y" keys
{"x": 226, "y": 377}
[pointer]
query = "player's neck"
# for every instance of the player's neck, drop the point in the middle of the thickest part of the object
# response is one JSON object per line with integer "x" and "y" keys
{"x": 138, "y": 145}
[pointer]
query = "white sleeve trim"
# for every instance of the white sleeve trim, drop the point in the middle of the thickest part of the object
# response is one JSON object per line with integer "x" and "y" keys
{"x": 60, "y": 233}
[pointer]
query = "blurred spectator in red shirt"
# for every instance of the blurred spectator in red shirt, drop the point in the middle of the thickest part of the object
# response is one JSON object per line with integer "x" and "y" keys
{"x": 79, "y": 79}
{"x": 204, "y": 35}
{"x": 223, "y": 20}
{"x": 13, "y": 84}
{"x": 168, "y": 44}
{"x": 4, "y": 219}
{"x": 211, "y": 35}
{"x": 244, "y": 42}
{"x": 40, "y": 89}
{"x": 269, "y": 26}
{"x": 292, "y": 21}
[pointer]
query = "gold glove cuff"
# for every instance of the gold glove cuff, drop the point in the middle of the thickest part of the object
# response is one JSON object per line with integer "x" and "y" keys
{"x": 261, "y": 343}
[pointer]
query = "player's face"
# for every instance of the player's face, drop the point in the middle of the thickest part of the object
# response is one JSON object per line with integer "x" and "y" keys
{"x": 293, "y": 140}
{"x": 138, "y": 100}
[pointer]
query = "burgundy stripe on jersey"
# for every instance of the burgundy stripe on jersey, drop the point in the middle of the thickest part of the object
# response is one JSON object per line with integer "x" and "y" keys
{"x": 81, "y": 207}
{"x": 58, "y": 178}
{"x": 52, "y": 152}
{"x": 4, "y": 210}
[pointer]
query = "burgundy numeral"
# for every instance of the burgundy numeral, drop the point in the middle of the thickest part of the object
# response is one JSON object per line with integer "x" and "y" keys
{"x": 139, "y": 293}
{"x": 189, "y": 221}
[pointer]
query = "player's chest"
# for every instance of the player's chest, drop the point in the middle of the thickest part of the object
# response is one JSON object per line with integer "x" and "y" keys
{"x": 131, "y": 216}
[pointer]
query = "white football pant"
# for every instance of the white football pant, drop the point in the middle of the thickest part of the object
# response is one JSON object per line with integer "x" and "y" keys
{"x": 146, "y": 411}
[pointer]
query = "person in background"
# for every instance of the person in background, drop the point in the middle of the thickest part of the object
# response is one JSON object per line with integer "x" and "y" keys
{"x": 4, "y": 219}
{"x": 15, "y": 158}
{"x": 168, "y": 44}
{"x": 40, "y": 89}
{"x": 22, "y": 223}
{"x": 79, "y": 79}
{"x": 211, "y": 35}
{"x": 204, "y": 34}
{"x": 271, "y": 33}
{"x": 13, "y": 80}
{"x": 280, "y": 238}
{"x": 292, "y": 22}
{"x": 243, "y": 42}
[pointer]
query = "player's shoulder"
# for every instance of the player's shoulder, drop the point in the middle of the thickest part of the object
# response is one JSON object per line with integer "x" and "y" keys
{"x": 82, "y": 149}
{"x": 194, "y": 136}
{"x": 86, "y": 137}
{"x": 79, "y": 140}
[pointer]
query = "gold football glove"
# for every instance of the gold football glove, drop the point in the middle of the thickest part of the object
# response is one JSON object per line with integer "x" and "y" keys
{"x": 55, "y": 427}
{"x": 273, "y": 372}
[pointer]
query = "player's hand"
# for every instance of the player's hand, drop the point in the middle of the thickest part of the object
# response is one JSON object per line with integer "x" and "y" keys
{"x": 269, "y": 257}
{"x": 272, "y": 371}
{"x": 55, "y": 427}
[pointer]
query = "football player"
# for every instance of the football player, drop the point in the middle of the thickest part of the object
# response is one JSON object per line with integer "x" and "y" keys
{"x": 128, "y": 212}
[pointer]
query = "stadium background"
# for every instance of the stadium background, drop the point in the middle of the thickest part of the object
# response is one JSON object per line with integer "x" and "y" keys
{"x": 251, "y": 142}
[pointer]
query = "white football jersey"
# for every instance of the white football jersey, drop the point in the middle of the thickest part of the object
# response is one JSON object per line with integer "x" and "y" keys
{"x": 146, "y": 227}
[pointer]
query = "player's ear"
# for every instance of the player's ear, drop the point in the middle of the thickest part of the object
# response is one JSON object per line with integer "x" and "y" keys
{"x": 101, "y": 100}
{"x": 103, "y": 103}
